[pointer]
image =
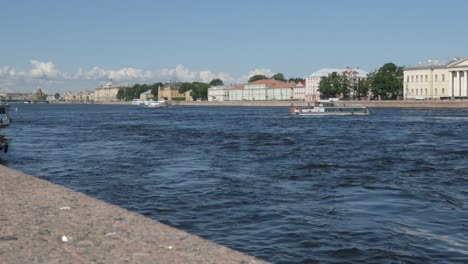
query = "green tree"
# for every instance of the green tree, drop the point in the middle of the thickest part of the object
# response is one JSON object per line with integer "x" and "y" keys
{"x": 296, "y": 80}
{"x": 334, "y": 85}
{"x": 136, "y": 90}
{"x": 361, "y": 88}
{"x": 257, "y": 77}
{"x": 216, "y": 82}
{"x": 387, "y": 82}
{"x": 278, "y": 77}
{"x": 57, "y": 96}
{"x": 199, "y": 89}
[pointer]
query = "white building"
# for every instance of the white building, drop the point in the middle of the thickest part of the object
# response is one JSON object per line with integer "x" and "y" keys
{"x": 312, "y": 92}
{"x": 434, "y": 79}
{"x": 108, "y": 92}
{"x": 267, "y": 90}
{"x": 218, "y": 93}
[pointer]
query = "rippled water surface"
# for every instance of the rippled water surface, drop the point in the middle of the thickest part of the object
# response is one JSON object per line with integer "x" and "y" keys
{"x": 390, "y": 187}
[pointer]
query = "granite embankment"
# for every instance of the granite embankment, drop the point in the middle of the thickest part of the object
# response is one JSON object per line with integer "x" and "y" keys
{"x": 442, "y": 104}
{"x": 41, "y": 222}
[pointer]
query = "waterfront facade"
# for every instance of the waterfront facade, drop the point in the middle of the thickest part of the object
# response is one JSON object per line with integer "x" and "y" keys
{"x": 267, "y": 90}
{"x": 146, "y": 95}
{"x": 312, "y": 83}
{"x": 79, "y": 97}
{"x": 170, "y": 91}
{"x": 108, "y": 92}
{"x": 434, "y": 80}
{"x": 218, "y": 93}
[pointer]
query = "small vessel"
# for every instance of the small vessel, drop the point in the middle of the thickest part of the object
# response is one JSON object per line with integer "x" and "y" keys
{"x": 5, "y": 121}
{"x": 329, "y": 108}
{"x": 158, "y": 104}
{"x": 138, "y": 102}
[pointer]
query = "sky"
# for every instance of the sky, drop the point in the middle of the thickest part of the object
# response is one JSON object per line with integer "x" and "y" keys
{"x": 76, "y": 45}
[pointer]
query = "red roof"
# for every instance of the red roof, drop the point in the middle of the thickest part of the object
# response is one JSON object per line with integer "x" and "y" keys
{"x": 239, "y": 87}
{"x": 266, "y": 81}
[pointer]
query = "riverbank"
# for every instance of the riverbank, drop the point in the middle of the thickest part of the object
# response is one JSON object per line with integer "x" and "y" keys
{"x": 372, "y": 104}
{"x": 41, "y": 222}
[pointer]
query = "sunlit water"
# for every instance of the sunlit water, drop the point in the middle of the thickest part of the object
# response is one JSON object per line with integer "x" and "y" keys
{"x": 390, "y": 187}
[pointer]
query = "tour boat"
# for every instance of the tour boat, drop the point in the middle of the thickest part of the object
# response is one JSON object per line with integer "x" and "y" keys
{"x": 4, "y": 115}
{"x": 138, "y": 102}
{"x": 5, "y": 121}
{"x": 158, "y": 104}
{"x": 329, "y": 108}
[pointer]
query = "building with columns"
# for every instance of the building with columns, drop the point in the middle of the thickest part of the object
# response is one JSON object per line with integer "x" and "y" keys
{"x": 434, "y": 80}
{"x": 312, "y": 82}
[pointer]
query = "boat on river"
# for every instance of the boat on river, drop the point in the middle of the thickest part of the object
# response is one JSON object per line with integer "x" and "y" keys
{"x": 157, "y": 104}
{"x": 329, "y": 109}
{"x": 5, "y": 122}
{"x": 138, "y": 102}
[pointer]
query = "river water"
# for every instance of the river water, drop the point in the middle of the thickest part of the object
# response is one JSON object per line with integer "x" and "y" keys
{"x": 389, "y": 187}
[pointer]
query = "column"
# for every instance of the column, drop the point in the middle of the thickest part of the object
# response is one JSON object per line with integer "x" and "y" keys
{"x": 466, "y": 83}
{"x": 451, "y": 85}
{"x": 459, "y": 83}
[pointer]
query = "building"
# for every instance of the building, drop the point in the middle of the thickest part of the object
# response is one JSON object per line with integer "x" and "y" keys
{"x": 218, "y": 93}
{"x": 170, "y": 91}
{"x": 435, "y": 79}
{"x": 108, "y": 92}
{"x": 146, "y": 95}
{"x": 312, "y": 92}
{"x": 18, "y": 96}
{"x": 267, "y": 90}
{"x": 79, "y": 97}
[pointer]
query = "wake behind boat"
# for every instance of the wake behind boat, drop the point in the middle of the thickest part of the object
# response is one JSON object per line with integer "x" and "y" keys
{"x": 327, "y": 108}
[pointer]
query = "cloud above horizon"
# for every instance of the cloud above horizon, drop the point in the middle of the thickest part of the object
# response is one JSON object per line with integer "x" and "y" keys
{"x": 47, "y": 75}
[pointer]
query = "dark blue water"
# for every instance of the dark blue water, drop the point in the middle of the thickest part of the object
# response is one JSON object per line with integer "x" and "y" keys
{"x": 390, "y": 187}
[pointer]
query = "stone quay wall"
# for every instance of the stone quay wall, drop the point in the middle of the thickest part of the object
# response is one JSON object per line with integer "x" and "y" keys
{"x": 41, "y": 222}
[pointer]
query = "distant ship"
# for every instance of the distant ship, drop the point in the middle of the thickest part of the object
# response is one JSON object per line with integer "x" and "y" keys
{"x": 5, "y": 121}
{"x": 327, "y": 108}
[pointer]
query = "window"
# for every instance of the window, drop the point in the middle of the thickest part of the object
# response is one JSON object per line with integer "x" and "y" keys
{"x": 425, "y": 78}
{"x": 421, "y": 91}
{"x": 435, "y": 91}
{"x": 435, "y": 77}
{"x": 421, "y": 78}
{"x": 417, "y": 77}
{"x": 443, "y": 79}
{"x": 426, "y": 91}
{"x": 443, "y": 90}
{"x": 412, "y": 91}
{"x": 407, "y": 78}
{"x": 412, "y": 78}
{"x": 416, "y": 91}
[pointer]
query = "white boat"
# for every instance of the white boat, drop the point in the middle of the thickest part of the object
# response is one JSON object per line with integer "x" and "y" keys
{"x": 5, "y": 122}
{"x": 328, "y": 108}
{"x": 157, "y": 104}
{"x": 137, "y": 102}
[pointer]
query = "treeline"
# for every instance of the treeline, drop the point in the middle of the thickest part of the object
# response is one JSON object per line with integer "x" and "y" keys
{"x": 199, "y": 90}
{"x": 279, "y": 77}
{"x": 136, "y": 90}
{"x": 386, "y": 83}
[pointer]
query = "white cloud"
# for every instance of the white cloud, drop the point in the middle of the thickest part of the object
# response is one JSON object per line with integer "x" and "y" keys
{"x": 258, "y": 71}
{"x": 7, "y": 71}
{"x": 44, "y": 70}
{"x": 46, "y": 74}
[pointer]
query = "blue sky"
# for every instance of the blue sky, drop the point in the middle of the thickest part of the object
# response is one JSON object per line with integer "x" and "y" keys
{"x": 75, "y": 45}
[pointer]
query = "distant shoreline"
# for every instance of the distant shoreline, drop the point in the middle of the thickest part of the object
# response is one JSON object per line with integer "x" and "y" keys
{"x": 457, "y": 104}
{"x": 371, "y": 104}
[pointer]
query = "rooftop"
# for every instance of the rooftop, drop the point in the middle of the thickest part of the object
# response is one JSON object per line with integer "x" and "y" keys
{"x": 327, "y": 71}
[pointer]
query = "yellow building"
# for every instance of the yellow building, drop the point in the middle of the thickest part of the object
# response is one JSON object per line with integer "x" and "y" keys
{"x": 170, "y": 91}
{"x": 433, "y": 80}
{"x": 108, "y": 92}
